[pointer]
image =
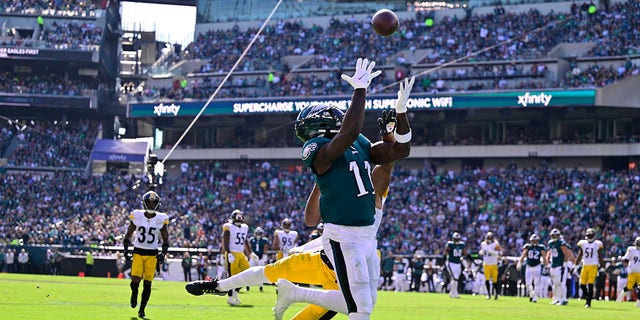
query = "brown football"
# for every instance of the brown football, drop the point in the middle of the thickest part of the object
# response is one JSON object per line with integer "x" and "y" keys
{"x": 385, "y": 22}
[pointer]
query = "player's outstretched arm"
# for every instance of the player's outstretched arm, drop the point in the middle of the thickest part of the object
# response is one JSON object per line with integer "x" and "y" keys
{"x": 353, "y": 119}
{"x": 400, "y": 148}
{"x": 381, "y": 174}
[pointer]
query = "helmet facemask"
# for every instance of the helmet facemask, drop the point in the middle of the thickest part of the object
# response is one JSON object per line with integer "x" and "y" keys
{"x": 318, "y": 121}
{"x": 150, "y": 202}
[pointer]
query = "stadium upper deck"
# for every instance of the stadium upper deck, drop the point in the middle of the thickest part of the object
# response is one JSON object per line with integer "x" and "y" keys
{"x": 537, "y": 51}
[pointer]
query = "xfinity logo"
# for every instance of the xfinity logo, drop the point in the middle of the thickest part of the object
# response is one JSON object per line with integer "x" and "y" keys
{"x": 527, "y": 99}
{"x": 117, "y": 157}
{"x": 162, "y": 109}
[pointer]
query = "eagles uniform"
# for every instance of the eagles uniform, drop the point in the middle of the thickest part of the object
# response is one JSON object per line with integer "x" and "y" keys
{"x": 533, "y": 252}
{"x": 347, "y": 208}
{"x": 258, "y": 245}
{"x": 455, "y": 249}
{"x": 145, "y": 243}
{"x": 623, "y": 275}
{"x": 557, "y": 272}
{"x": 545, "y": 281}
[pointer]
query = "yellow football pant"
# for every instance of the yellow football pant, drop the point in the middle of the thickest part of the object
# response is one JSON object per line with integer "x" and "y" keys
{"x": 491, "y": 272}
{"x": 588, "y": 274}
{"x": 143, "y": 267}
{"x": 634, "y": 277}
{"x": 239, "y": 263}
{"x": 306, "y": 268}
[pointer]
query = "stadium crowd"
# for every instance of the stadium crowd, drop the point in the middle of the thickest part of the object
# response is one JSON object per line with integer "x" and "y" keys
{"x": 61, "y": 143}
{"x": 424, "y": 207}
{"x": 50, "y": 7}
{"x": 71, "y": 35}
{"x": 50, "y": 84}
{"x": 342, "y": 41}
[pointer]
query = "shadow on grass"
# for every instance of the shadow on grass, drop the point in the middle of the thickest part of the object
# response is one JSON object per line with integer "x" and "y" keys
{"x": 242, "y": 306}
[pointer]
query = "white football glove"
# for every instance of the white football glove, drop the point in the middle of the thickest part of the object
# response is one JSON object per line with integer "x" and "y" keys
{"x": 403, "y": 94}
{"x": 230, "y": 258}
{"x": 363, "y": 75}
{"x": 569, "y": 264}
{"x": 254, "y": 257}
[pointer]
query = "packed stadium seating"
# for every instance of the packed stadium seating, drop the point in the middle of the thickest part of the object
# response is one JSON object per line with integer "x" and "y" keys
{"x": 512, "y": 203}
{"x": 51, "y": 7}
{"x": 61, "y": 144}
{"x": 305, "y": 59}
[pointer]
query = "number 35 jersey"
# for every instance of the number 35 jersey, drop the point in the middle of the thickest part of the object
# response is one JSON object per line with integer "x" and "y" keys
{"x": 148, "y": 229}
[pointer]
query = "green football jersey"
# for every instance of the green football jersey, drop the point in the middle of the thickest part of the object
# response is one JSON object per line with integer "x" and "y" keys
{"x": 557, "y": 256}
{"x": 347, "y": 195}
{"x": 257, "y": 245}
{"x": 455, "y": 251}
{"x": 534, "y": 254}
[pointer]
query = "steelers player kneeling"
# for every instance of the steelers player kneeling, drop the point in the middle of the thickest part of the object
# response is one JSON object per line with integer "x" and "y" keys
{"x": 149, "y": 225}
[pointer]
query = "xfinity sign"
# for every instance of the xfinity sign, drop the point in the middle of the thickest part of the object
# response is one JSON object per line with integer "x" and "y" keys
{"x": 534, "y": 99}
{"x": 162, "y": 109}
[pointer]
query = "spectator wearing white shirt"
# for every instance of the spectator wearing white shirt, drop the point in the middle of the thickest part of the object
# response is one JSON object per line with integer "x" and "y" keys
{"x": 23, "y": 261}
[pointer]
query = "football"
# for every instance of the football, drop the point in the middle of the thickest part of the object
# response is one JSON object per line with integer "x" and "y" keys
{"x": 385, "y": 22}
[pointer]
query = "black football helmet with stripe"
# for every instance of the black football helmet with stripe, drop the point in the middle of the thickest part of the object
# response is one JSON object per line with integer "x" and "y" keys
{"x": 318, "y": 120}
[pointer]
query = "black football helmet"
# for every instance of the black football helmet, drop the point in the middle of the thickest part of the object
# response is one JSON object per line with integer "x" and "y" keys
{"x": 150, "y": 201}
{"x": 236, "y": 217}
{"x": 318, "y": 120}
{"x": 286, "y": 224}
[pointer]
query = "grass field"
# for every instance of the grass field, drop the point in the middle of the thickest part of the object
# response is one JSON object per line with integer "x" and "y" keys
{"x": 60, "y": 297}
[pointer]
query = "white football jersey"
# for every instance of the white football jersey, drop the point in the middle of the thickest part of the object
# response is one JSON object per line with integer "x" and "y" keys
{"x": 237, "y": 236}
{"x": 148, "y": 229}
{"x": 633, "y": 255}
{"x": 590, "y": 251}
{"x": 490, "y": 255}
{"x": 287, "y": 239}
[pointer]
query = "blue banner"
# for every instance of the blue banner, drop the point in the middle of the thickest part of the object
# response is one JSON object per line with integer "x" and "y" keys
{"x": 418, "y": 101}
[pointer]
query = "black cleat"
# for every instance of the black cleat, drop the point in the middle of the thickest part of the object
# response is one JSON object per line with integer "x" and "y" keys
{"x": 198, "y": 288}
{"x": 134, "y": 300}
{"x": 141, "y": 314}
{"x": 261, "y": 289}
